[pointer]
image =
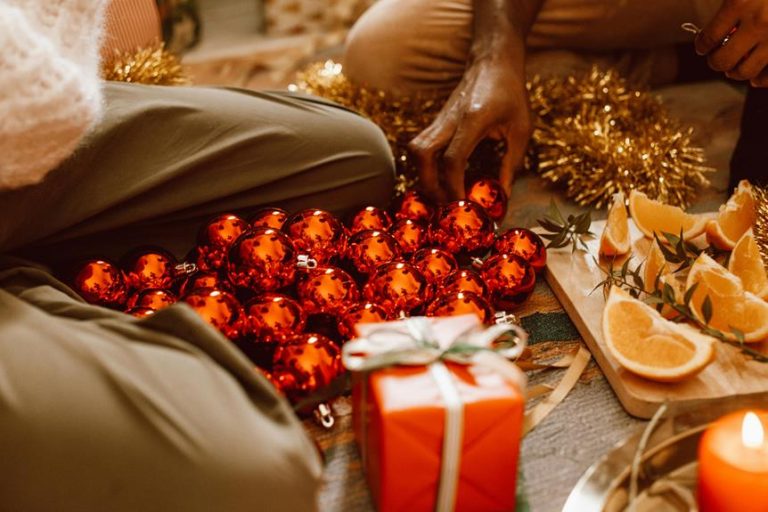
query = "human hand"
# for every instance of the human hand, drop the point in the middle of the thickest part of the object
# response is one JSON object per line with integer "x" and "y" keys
{"x": 736, "y": 41}
{"x": 490, "y": 102}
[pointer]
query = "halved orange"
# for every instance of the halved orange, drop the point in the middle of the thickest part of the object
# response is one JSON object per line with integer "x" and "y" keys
{"x": 615, "y": 238}
{"x": 656, "y": 217}
{"x": 734, "y": 218}
{"x": 732, "y": 307}
{"x": 747, "y": 264}
{"x": 646, "y": 344}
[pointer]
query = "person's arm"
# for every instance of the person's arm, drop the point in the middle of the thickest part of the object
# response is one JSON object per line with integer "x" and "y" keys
{"x": 736, "y": 41}
{"x": 490, "y": 101}
{"x": 48, "y": 101}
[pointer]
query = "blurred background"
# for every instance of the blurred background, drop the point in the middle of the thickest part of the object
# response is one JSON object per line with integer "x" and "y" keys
{"x": 255, "y": 43}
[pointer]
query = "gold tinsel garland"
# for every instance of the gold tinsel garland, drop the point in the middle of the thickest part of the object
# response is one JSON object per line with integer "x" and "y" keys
{"x": 153, "y": 65}
{"x": 761, "y": 223}
{"x": 595, "y": 134}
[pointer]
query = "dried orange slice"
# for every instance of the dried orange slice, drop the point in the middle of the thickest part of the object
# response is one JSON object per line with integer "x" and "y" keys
{"x": 734, "y": 218}
{"x": 655, "y": 217}
{"x": 615, "y": 238}
{"x": 747, "y": 264}
{"x": 646, "y": 344}
{"x": 731, "y": 306}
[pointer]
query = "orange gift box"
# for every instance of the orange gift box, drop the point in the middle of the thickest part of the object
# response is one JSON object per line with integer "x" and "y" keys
{"x": 400, "y": 429}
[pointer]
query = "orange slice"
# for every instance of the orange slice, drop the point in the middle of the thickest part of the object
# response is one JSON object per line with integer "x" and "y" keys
{"x": 615, "y": 238}
{"x": 655, "y": 217}
{"x": 734, "y": 218}
{"x": 732, "y": 306}
{"x": 646, "y": 344}
{"x": 655, "y": 267}
{"x": 747, "y": 264}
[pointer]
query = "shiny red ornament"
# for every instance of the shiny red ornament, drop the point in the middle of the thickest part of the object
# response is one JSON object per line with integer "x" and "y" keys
{"x": 306, "y": 363}
{"x": 368, "y": 249}
{"x": 399, "y": 287}
{"x": 463, "y": 227}
{"x": 411, "y": 235}
{"x": 262, "y": 260}
{"x": 150, "y": 268}
{"x": 370, "y": 217}
{"x": 510, "y": 280}
{"x": 435, "y": 264}
{"x": 203, "y": 279}
{"x": 524, "y": 243}
{"x": 461, "y": 303}
{"x": 152, "y": 298}
{"x": 274, "y": 218}
{"x": 273, "y": 318}
{"x": 360, "y": 313}
{"x": 220, "y": 309}
{"x": 327, "y": 290}
{"x": 464, "y": 281}
{"x": 141, "y": 312}
{"x": 101, "y": 282}
{"x": 488, "y": 193}
{"x": 316, "y": 233}
{"x": 415, "y": 206}
{"x": 215, "y": 238}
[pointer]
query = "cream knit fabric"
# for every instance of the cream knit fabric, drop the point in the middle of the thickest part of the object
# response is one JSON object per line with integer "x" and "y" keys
{"x": 50, "y": 91}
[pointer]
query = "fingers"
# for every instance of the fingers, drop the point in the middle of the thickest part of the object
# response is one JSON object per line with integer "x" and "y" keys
{"x": 426, "y": 147}
{"x": 761, "y": 80}
{"x": 512, "y": 161}
{"x": 751, "y": 67}
{"x": 712, "y": 35}
{"x": 468, "y": 134}
{"x": 739, "y": 46}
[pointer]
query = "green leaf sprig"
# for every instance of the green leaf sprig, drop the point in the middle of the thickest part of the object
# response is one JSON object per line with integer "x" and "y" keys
{"x": 560, "y": 231}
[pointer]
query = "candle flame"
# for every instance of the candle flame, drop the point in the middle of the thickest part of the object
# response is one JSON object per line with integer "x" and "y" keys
{"x": 752, "y": 433}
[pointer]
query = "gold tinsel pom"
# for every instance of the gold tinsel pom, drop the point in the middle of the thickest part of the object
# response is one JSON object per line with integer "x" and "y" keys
{"x": 595, "y": 135}
{"x": 761, "y": 223}
{"x": 153, "y": 65}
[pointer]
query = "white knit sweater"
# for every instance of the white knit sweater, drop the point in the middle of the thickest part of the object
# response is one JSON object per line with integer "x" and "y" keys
{"x": 50, "y": 91}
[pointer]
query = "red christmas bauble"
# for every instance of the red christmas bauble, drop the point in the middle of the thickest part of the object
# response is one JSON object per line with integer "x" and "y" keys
{"x": 141, "y": 312}
{"x": 151, "y": 267}
{"x": 152, "y": 298}
{"x": 273, "y": 318}
{"x": 215, "y": 238}
{"x": 461, "y": 303}
{"x": 316, "y": 233}
{"x": 524, "y": 243}
{"x": 398, "y": 287}
{"x": 510, "y": 280}
{"x": 488, "y": 193}
{"x": 203, "y": 279}
{"x": 413, "y": 205}
{"x": 370, "y": 217}
{"x": 435, "y": 264}
{"x": 220, "y": 309}
{"x": 262, "y": 260}
{"x": 464, "y": 281}
{"x": 368, "y": 249}
{"x": 411, "y": 235}
{"x": 326, "y": 290}
{"x": 101, "y": 282}
{"x": 273, "y": 218}
{"x": 463, "y": 227}
{"x": 305, "y": 364}
{"x": 360, "y": 313}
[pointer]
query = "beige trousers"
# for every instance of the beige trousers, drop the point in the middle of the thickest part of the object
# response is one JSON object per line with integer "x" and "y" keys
{"x": 417, "y": 45}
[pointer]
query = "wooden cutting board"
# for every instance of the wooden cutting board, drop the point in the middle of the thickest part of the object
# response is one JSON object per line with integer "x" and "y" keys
{"x": 573, "y": 276}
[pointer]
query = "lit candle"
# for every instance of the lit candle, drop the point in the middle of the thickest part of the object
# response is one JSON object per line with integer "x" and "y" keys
{"x": 733, "y": 464}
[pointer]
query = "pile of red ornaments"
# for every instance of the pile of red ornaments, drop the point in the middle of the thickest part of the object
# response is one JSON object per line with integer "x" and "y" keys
{"x": 289, "y": 289}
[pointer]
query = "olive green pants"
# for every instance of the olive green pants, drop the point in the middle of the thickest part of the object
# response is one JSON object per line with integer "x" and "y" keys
{"x": 103, "y": 412}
